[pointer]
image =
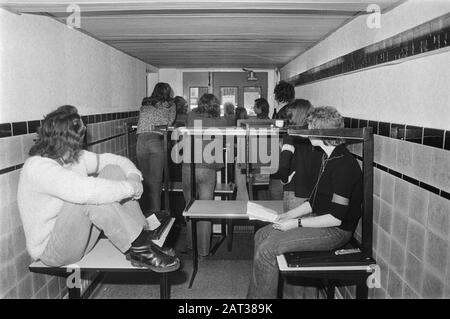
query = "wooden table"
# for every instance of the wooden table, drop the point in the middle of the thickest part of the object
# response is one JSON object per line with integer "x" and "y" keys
{"x": 214, "y": 209}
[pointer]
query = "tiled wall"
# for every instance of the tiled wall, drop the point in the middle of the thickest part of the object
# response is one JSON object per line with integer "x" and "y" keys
{"x": 411, "y": 229}
{"x": 105, "y": 133}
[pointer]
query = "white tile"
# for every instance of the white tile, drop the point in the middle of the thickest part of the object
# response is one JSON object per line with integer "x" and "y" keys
{"x": 440, "y": 169}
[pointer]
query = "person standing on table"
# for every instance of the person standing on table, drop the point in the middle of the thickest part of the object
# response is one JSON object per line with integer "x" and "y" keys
{"x": 64, "y": 208}
{"x": 334, "y": 208}
{"x": 159, "y": 109}
{"x": 208, "y": 115}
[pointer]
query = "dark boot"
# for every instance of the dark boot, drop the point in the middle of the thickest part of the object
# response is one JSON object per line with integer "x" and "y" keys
{"x": 151, "y": 256}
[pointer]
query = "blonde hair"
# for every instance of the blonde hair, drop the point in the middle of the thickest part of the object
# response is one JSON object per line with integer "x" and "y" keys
{"x": 326, "y": 117}
{"x": 297, "y": 112}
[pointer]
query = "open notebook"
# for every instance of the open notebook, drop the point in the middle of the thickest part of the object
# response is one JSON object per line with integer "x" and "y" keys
{"x": 256, "y": 211}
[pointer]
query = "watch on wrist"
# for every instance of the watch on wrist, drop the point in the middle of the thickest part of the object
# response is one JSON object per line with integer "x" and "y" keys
{"x": 299, "y": 222}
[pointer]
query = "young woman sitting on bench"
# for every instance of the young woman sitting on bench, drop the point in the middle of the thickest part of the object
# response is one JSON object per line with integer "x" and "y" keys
{"x": 63, "y": 209}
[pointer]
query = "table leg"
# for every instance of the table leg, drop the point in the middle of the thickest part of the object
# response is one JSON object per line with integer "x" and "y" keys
{"x": 362, "y": 291}
{"x": 74, "y": 293}
{"x": 229, "y": 234}
{"x": 194, "y": 251}
{"x": 164, "y": 286}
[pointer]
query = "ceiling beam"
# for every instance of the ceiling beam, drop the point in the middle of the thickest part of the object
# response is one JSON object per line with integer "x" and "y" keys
{"x": 104, "y": 6}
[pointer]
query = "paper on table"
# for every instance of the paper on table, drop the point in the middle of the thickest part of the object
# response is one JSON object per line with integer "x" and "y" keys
{"x": 153, "y": 222}
{"x": 256, "y": 211}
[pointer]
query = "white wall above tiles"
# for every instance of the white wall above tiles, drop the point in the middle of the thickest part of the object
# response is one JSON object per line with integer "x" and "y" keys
{"x": 45, "y": 64}
{"x": 414, "y": 92}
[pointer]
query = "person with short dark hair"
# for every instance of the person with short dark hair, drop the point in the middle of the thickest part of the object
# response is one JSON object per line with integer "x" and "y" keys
{"x": 157, "y": 110}
{"x": 284, "y": 94}
{"x": 181, "y": 107}
{"x": 325, "y": 222}
{"x": 241, "y": 114}
{"x": 229, "y": 113}
{"x": 261, "y": 108}
{"x": 64, "y": 208}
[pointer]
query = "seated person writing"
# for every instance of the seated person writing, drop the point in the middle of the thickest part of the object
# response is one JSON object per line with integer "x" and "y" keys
{"x": 63, "y": 210}
{"x": 334, "y": 205}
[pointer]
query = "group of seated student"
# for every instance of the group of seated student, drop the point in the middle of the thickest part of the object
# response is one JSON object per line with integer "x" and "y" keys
{"x": 68, "y": 195}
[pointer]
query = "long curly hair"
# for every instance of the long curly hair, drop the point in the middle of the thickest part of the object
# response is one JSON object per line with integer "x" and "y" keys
{"x": 209, "y": 104}
{"x": 61, "y": 135}
{"x": 284, "y": 92}
{"x": 162, "y": 95}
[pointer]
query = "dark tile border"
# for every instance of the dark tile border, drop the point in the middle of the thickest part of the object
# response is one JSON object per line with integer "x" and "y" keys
{"x": 432, "y": 189}
{"x": 20, "y": 128}
{"x": 415, "y": 134}
{"x": 28, "y": 127}
{"x": 400, "y": 46}
{"x": 5, "y": 130}
{"x": 421, "y": 135}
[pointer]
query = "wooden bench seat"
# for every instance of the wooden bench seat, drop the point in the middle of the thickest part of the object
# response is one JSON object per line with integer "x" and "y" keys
{"x": 104, "y": 258}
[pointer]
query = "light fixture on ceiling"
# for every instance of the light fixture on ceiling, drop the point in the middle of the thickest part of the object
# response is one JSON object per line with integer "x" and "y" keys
{"x": 250, "y": 75}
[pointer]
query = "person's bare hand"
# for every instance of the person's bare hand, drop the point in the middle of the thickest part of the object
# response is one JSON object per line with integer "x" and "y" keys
{"x": 286, "y": 224}
{"x": 135, "y": 181}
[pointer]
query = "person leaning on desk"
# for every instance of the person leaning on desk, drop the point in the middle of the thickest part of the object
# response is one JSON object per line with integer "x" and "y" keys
{"x": 333, "y": 206}
{"x": 208, "y": 114}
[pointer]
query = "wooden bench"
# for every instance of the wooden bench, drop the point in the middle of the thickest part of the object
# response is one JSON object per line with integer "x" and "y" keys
{"x": 357, "y": 273}
{"x": 105, "y": 258}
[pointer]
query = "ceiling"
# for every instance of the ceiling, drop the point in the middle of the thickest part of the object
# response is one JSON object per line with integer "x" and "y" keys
{"x": 204, "y": 34}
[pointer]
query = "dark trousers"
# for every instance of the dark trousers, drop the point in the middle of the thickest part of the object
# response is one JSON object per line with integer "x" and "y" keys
{"x": 150, "y": 157}
{"x": 205, "y": 179}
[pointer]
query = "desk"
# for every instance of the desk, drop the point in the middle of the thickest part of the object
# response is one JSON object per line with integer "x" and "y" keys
{"x": 105, "y": 257}
{"x": 213, "y": 209}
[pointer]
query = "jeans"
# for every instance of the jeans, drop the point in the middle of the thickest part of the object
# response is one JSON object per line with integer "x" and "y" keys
{"x": 205, "y": 179}
{"x": 270, "y": 243}
{"x": 78, "y": 226}
{"x": 150, "y": 157}
{"x": 275, "y": 189}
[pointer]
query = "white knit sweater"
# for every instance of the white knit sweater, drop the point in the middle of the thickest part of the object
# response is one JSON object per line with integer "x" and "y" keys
{"x": 45, "y": 185}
